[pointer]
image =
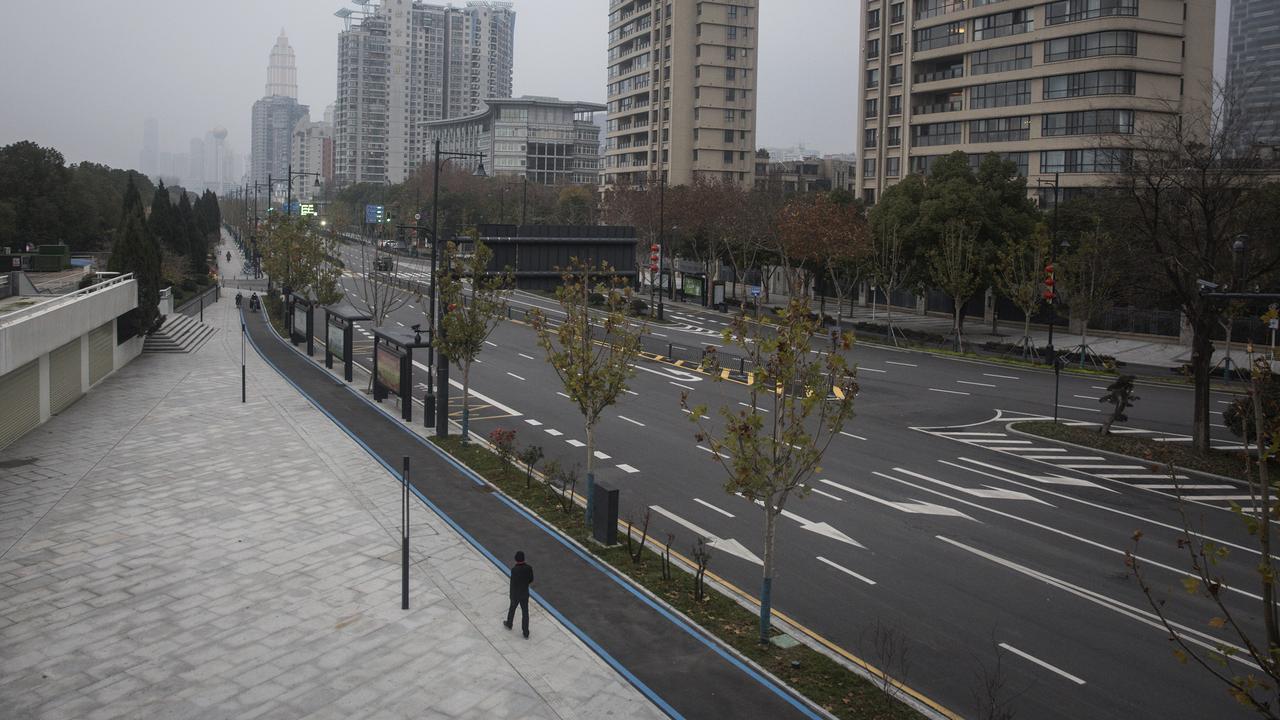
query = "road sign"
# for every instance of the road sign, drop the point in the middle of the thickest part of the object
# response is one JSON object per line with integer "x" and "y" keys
{"x": 755, "y": 291}
{"x": 1274, "y": 324}
{"x": 417, "y": 216}
{"x": 306, "y": 209}
{"x": 373, "y": 213}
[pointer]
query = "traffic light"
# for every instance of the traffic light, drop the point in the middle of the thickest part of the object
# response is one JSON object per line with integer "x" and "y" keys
{"x": 655, "y": 251}
{"x": 1050, "y": 292}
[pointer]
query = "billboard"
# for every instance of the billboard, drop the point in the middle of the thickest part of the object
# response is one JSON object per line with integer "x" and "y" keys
{"x": 333, "y": 338}
{"x": 300, "y": 313}
{"x": 388, "y": 369}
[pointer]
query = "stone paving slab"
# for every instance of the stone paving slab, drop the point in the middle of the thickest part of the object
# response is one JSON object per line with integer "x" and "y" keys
{"x": 166, "y": 551}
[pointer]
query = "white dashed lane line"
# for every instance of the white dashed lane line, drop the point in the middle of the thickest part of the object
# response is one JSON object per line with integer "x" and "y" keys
{"x": 576, "y": 443}
{"x": 706, "y": 504}
{"x": 846, "y": 571}
{"x": 895, "y": 362}
{"x": 979, "y": 384}
{"x": 855, "y": 437}
{"x": 533, "y": 422}
{"x": 490, "y": 344}
{"x": 633, "y": 422}
{"x": 515, "y": 376}
{"x": 602, "y": 456}
{"x": 950, "y": 392}
{"x": 526, "y": 357}
{"x": 566, "y": 397}
{"x": 552, "y": 432}
{"x": 627, "y": 468}
{"x": 1002, "y": 377}
{"x": 686, "y": 387}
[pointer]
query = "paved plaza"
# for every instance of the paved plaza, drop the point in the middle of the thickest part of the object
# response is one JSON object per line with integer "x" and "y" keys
{"x": 166, "y": 551}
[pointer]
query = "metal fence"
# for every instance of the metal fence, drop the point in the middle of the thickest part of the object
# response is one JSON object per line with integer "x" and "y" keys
{"x": 196, "y": 304}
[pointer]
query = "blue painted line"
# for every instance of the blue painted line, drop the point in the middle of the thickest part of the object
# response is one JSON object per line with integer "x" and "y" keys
{"x": 558, "y": 537}
{"x": 578, "y": 632}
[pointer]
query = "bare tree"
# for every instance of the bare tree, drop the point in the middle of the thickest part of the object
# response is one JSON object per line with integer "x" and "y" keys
{"x": 1091, "y": 282}
{"x": 888, "y": 268}
{"x": 1021, "y": 279}
{"x": 380, "y": 289}
{"x": 1193, "y": 181}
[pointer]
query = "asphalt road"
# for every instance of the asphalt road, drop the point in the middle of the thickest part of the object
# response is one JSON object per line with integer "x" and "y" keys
{"x": 928, "y": 517}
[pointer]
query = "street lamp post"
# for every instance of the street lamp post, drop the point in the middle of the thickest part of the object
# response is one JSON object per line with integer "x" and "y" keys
{"x": 441, "y": 362}
{"x": 1050, "y": 353}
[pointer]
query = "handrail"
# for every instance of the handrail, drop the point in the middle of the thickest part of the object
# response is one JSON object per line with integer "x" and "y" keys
{"x": 193, "y": 300}
{"x": 61, "y": 300}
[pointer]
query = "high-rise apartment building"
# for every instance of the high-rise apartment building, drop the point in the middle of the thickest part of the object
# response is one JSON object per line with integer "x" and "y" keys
{"x": 1253, "y": 66}
{"x": 682, "y": 92}
{"x": 403, "y": 64}
{"x": 275, "y": 115}
{"x": 1053, "y": 86}
{"x": 312, "y": 152}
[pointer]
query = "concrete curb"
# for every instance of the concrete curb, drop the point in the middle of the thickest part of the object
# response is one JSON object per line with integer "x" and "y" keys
{"x": 1177, "y": 468}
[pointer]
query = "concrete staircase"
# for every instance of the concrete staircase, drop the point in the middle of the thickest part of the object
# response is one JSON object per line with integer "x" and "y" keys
{"x": 179, "y": 334}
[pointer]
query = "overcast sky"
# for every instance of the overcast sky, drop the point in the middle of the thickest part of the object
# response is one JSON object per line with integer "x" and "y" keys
{"x": 83, "y": 75}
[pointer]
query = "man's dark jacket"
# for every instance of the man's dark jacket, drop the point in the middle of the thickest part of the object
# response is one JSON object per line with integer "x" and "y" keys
{"x": 521, "y": 578}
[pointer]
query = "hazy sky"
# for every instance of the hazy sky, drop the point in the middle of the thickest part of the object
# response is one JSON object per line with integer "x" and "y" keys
{"x": 82, "y": 75}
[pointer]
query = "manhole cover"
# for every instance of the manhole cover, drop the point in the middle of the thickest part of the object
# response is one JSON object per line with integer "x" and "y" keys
{"x": 784, "y": 641}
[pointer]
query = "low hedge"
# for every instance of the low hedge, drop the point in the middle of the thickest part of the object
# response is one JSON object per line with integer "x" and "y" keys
{"x": 1218, "y": 462}
{"x": 812, "y": 674}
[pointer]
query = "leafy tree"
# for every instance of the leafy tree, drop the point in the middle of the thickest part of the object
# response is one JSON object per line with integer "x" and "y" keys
{"x": 887, "y": 266}
{"x": 807, "y": 398}
{"x": 576, "y": 206}
{"x": 136, "y": 251}
{"x": 472, "y": 308}
{"x": 300, "y": 257}
{"x": 593, "y": 366}
{"x": 197, "y": 247}
{"x": 1021, "y": 277}
{"x": 826, "y": 237}
{"x": 955, "y": 268}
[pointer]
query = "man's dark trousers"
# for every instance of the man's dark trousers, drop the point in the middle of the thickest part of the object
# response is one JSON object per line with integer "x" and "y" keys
{"x": 521, "y": 579}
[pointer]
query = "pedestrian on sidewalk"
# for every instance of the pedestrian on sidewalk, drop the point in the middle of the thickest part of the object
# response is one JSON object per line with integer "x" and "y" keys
{"x": 521, "y": 579}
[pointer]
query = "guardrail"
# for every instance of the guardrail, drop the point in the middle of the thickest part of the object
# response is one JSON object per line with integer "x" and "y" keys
{"x": 61, "y": 300}
{"x": 198, "y": 302}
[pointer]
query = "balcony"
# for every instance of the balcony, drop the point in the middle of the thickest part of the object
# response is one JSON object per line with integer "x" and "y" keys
{"x": 947, "y": 74}
{"x": 952, "y": 106}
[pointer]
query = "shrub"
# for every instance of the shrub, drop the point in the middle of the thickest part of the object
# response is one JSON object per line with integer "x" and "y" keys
{"x": 504, "y": 443}
{"x": 595, "y": 299}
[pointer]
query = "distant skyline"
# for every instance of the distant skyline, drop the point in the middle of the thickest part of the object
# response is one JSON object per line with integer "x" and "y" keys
{"x": 197, "y": 66}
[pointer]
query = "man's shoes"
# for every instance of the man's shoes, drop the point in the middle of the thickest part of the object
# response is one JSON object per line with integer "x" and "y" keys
{"x": 506, "y": 624}
{"x": 526, "y": 636}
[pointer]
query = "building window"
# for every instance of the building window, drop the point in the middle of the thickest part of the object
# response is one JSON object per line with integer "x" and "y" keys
{"x": 895, "y": 74}
{"x": 1005, "y": 94}
{"x": 1098, "y": 82}
{"x": 873, "y": 49}
{"x": 873, "y": 78}
{"x": 893, "y": 136}
{"x": 1089, "y": 160}
{"x": 939, "y": 36}
{"x": 892, "y": 166}
{"x": 895, "y": 105}
{"x": 731, "y": 74}
{"x": 1064, "y": 11}
{"x": 873, "y": 19}
{"x": 868, "y": 167}
{"x": 731, "y": 53}
{"x": 1014, "y": 57}
{"x": 728, "y": 157}
{"x": 728, "y": 136}
{"x": 1000, "y": 129}
{"x": 870, "y": 108}
{"x": 944, "y": 133}
{"x": 1002, "y": 24}
{"x": 1087, "y": 122}
{"x": 896, "y": 13}
{"x": 1112, "y": 42}
{"x": 869, "y": 138}
{"x": 733, "y": 33}
{"x": 895, "y": 43}
{"x": 730, "y": 95}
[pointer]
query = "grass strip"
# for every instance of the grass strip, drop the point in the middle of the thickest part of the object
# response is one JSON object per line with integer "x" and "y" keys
{"x": 1218, "y": 462}
{"x": 810, "y": 673}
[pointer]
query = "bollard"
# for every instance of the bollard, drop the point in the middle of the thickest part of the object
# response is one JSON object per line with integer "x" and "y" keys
{"x": 404, "y": 548}
{"x": 668, "y": 349}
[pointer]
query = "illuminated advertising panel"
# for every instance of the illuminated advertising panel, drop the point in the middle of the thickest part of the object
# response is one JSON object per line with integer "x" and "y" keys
{"x": 333, "y": 338}
{"x": 388, "y": 369}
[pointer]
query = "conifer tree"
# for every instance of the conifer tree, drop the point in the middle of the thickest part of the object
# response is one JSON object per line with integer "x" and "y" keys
{"x": 136, "y": 251}
{"x": 196, "y": 247}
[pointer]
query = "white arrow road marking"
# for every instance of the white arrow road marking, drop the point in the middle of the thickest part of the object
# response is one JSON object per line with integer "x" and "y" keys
{"x": 670, "y": 373}
{"x": 983, "y": 492}
{"x": 915, "y": 507}
{"x": 822, "y": 528}
{"x": 729, "y": 545}
{"x": 846, "y": 571}
{"x": 1042, "y": 663}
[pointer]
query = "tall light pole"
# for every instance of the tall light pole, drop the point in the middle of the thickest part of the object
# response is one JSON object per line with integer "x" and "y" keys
{"x": 1052, "y": 293}
{"x": 442, "y": 362}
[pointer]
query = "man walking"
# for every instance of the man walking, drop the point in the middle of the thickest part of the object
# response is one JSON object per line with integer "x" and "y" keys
{"x": 521, "y": 579}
